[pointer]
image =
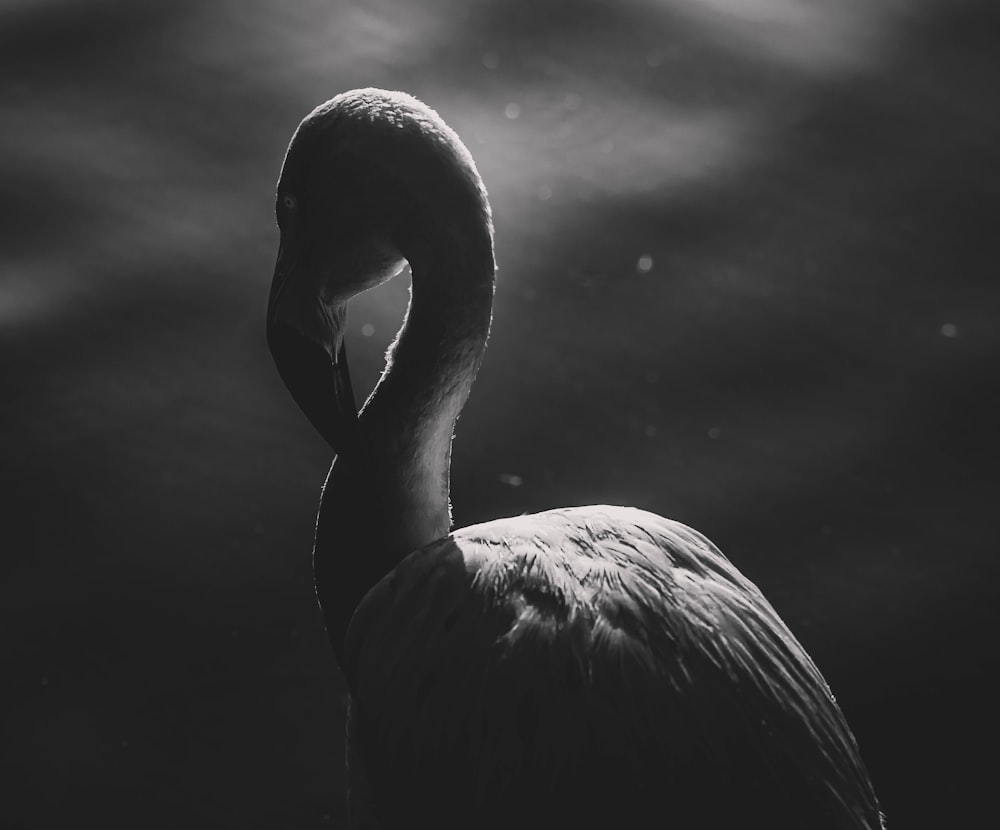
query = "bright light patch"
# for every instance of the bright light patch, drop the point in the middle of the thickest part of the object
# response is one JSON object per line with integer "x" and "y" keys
{"x": 645, "y": 264}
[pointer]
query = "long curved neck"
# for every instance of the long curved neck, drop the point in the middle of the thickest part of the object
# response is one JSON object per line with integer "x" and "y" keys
{"x": 409, "y": 420}
{"x": 389, "y": 494}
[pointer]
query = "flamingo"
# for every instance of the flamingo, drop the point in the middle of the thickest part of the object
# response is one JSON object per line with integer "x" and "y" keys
{"x": 580, "y": 667}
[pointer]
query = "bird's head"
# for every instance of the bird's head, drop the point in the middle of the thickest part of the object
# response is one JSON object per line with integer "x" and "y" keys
{"x": 371, "y": 179}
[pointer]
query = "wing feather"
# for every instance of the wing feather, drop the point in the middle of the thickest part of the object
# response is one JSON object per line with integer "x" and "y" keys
{"x": 604, "y": 649}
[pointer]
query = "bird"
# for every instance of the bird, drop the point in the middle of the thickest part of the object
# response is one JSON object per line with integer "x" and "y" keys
{"x": 586, "y": 666}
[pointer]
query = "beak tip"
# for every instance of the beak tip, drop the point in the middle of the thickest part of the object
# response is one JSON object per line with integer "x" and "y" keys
{"x": 319, "y": 382}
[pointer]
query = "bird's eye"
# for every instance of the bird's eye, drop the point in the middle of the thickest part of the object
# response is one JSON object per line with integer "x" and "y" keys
{"x": 289, "y": 201}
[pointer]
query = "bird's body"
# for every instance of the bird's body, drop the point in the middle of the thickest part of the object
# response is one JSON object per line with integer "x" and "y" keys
{"x": 597, "y": 644}
{"x": 577, "y": 667}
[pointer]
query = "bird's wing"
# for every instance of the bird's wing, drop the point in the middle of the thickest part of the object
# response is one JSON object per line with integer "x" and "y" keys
{"x": 547, "y": 638}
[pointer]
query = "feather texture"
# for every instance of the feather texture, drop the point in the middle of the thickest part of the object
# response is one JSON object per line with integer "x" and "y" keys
{"x": 522, "y": 658}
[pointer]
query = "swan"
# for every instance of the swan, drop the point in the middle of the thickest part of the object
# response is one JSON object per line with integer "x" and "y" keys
{"x": 583, "y": 667}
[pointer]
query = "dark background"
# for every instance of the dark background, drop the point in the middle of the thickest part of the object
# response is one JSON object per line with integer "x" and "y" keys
{"x": 748, "y": 255}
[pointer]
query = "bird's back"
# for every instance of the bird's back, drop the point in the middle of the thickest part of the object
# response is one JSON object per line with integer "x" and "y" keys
{"x": 585, "y": 666}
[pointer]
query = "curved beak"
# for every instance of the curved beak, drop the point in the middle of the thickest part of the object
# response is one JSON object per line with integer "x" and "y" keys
{"x": 306, "y": 340}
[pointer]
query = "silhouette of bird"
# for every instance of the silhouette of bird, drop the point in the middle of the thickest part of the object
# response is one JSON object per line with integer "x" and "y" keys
{"x": 582, "y": 667}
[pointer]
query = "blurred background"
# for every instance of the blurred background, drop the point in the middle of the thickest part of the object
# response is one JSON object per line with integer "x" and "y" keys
{"x": 748, "y": 259}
